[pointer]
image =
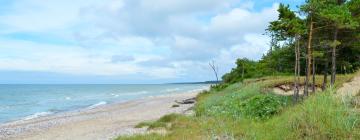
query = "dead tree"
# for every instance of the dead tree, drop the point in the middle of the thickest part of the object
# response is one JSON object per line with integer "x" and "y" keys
{"x": 215, "y": 69}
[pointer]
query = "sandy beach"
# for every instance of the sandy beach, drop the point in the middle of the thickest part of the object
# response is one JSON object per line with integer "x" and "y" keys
{"x": 101, "y": 123}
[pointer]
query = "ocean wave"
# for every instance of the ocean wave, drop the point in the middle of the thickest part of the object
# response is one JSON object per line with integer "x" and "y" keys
{"x": 115, "y": 95}
{"x": 132, "y": 93}
{"x": 36, "y": 115}
{"x": 97, "y": 104}
{"x": 172, "y": 89}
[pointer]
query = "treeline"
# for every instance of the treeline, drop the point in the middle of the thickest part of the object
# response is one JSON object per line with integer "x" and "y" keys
{"x": 320, "y": 37}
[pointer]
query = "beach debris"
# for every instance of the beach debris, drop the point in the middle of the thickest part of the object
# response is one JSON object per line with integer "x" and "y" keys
{"x": 186, "y": 101}
{"x": 175, "y": 105}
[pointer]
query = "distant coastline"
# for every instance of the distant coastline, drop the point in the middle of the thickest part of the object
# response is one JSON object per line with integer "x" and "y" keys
{"x": 205, "y": 82}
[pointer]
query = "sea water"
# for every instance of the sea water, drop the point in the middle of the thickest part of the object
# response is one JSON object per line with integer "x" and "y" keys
{"x": 23, "y": 102}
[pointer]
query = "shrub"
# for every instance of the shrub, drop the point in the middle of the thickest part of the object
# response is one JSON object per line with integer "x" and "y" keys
{"x": 246, "y": 101}
{"x": 262, "y": 106}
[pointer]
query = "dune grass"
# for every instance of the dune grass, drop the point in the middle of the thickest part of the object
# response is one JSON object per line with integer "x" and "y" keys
{"x": 321, "y": 116}
{"x": 163, "y": 122}
{"x": 247, "y": 111}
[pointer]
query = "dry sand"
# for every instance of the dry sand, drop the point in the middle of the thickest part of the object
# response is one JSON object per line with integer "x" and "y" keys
{"x": 351, "y": 88}
{"x": 101, "y": 123}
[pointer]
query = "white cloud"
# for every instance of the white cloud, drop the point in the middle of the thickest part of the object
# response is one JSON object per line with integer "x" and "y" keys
{"x": 65, "y": 59}
{"x": 240, "y": 21}
{"x": 253, "y": 45}
{"x": 184, "y": 6}
{"x": 35, "y": 15}
{"x": 159, "y": 38}
{"x": 186, "y": 48}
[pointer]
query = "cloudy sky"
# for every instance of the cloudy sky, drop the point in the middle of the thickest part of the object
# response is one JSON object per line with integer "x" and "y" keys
{"x": 129, "y": 41}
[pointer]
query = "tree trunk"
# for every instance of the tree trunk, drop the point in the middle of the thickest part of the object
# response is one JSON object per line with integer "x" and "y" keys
{"x": 313, "y": 76}
{"x": 306, "y": 88}
{"x": 309, "y": 55}
{"x": 296, "y": 82}
{"x": 325, "y": 71}
{"x": 333, "y": 59}
{"x": 295, "y": 78}
{"x": 299, "y": 65}
{"x": 243, "y": 71}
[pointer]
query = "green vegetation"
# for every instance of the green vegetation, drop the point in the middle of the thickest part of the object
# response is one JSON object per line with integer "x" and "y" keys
{"x": 322, "y": 37}
{"x": 249, "y": 111}
{"x": 320, "y": 117}
{"x": 163, "y": 122}
{"x": 247, "y": 102}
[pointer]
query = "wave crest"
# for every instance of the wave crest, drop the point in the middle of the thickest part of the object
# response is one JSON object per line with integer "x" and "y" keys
{"x": 97, "y": 104}
{"x": 38, "y": 114}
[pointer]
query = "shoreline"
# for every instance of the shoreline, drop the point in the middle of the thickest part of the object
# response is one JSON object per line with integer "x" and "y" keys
{"x": 102, "y": 122}
{"x": 91, "y": 106}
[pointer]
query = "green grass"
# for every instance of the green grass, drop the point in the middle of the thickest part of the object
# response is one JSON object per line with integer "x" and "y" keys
{"x": 320, "y": 117}
{"x": 163, "y": 122}
{"x": 247, "y": 111}
{"x": 152, "y": 136}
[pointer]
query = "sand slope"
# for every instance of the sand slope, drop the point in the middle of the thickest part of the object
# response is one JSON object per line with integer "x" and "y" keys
{"x": 351, "y": 88}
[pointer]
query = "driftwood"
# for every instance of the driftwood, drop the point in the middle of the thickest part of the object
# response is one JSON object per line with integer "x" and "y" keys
{"x": 186, "y": 101}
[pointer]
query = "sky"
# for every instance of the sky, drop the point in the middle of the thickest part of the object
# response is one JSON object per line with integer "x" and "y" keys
{"x": 129, "y": 41}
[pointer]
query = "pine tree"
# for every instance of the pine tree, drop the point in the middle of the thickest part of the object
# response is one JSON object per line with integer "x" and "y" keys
{"x": 338, "y": 15}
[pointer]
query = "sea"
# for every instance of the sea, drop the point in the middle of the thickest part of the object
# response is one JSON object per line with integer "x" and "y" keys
{"x": 24, "y": 102}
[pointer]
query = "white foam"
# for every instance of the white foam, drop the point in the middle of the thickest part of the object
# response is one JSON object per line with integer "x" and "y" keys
{"x": 97, "y": 104}
{"x": 115, "y": 95}
{"x": 36, "y": 115}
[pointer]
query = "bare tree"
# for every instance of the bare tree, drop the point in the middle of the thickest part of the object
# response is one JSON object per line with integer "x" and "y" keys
{"x": 215, "y": 69}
